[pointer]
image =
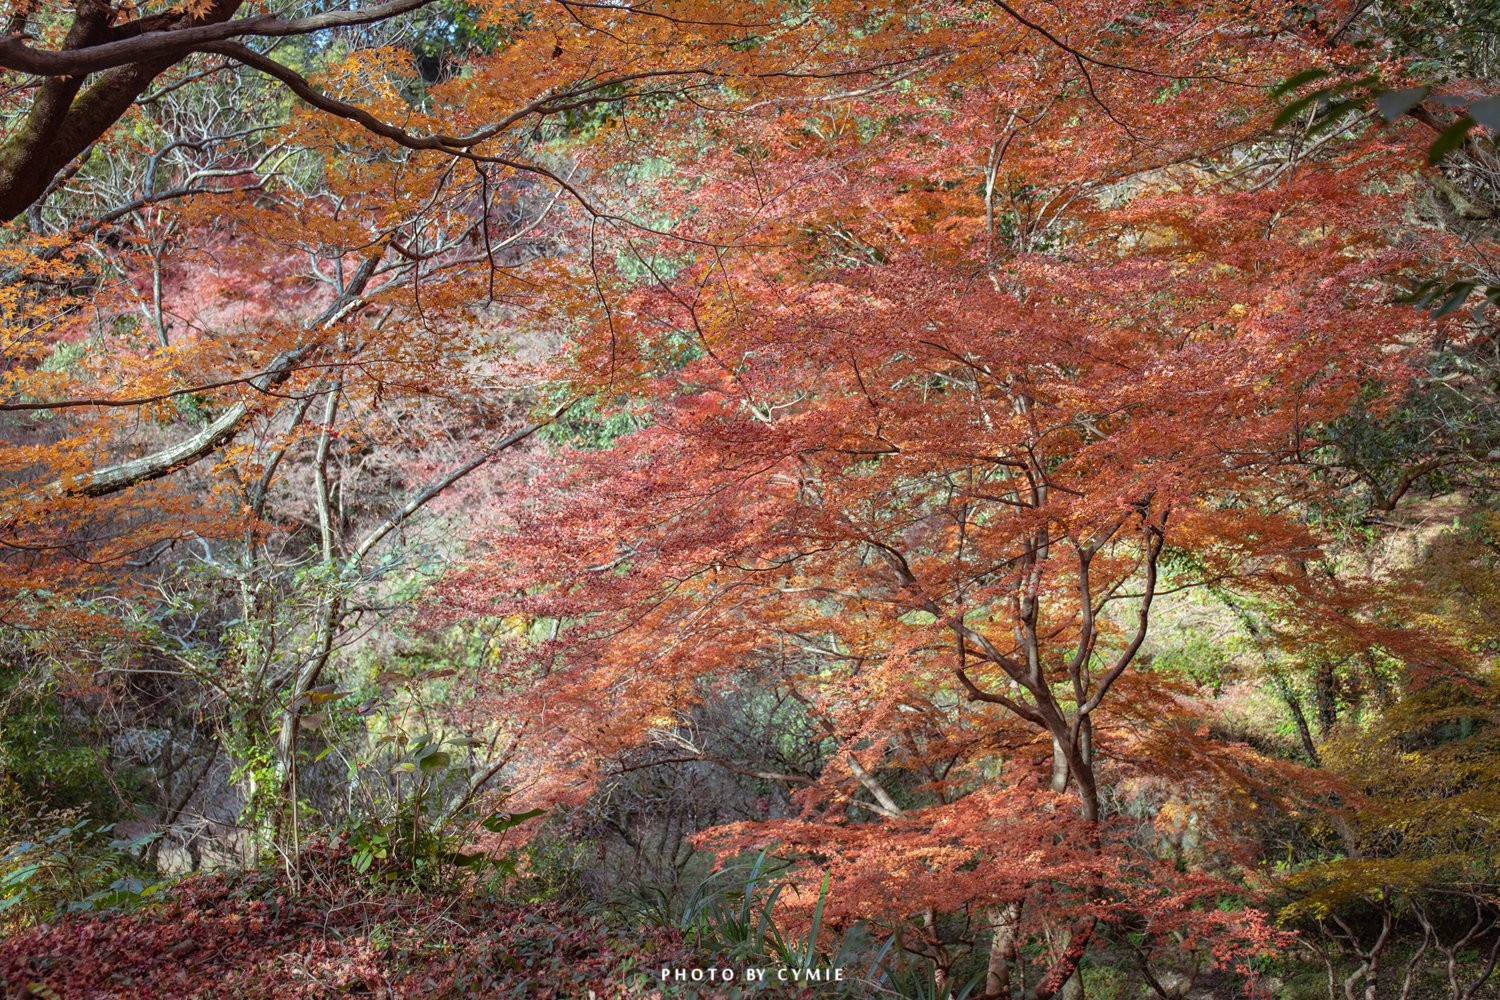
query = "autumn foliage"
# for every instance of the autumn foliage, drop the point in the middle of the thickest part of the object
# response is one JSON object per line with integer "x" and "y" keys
{"x": 919, "y": 451}
{"x": 889, "y": 371}
{"x": 251, "y": 937}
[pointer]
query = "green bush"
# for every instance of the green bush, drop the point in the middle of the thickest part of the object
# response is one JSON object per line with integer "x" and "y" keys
{"x": 78, "y": 867}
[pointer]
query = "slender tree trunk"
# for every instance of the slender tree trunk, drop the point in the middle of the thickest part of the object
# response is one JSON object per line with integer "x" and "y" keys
{"x": 1299, "y": 719}
{"x": 1005, "y": 950}
{"x": 1059, "y": 766}
{"x": 1325, "y": 697}
{"x": 1073, "y": 988}
{"x": 1080, "y": 770}
{"x": 327, "y": 628}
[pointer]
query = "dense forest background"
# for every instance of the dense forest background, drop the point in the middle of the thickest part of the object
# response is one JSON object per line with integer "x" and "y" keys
{"x": 996, "y": 499}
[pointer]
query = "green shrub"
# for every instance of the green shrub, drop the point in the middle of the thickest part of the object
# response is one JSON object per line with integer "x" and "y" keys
{"x": 78, "y": 867}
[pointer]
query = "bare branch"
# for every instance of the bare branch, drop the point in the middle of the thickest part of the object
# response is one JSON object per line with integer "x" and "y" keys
{"x": 114, "y": 478}
{"x": 177, "y": 42}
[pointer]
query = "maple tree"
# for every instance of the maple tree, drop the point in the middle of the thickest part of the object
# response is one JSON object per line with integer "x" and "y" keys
{"x": 186, "y": 283}
{"x": 1009, "y": 356}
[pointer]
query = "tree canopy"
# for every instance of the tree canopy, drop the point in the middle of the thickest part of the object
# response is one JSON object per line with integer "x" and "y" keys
{"x": 1029, "y": 466}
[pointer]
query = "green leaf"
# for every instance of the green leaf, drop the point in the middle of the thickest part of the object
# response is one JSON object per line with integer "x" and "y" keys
{"x": 22, "y": 874}
{"x": 434, "y": 760}
{"x": 1453, "y": 136}
{"x": 1297, "y": 107}
{"x": 500, "y": 822}
{"x": 1422, "y": 295}
{"x": 1293, "y": 82}
{"x": 1458, "y": 294}
{"x": 462, "y": 860}
{"x": 1395, "y": 103}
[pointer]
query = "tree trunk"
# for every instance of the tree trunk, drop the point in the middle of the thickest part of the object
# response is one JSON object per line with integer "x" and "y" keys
{"x": 1299, "y": 719}
{"x": 1005, "y": 950}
